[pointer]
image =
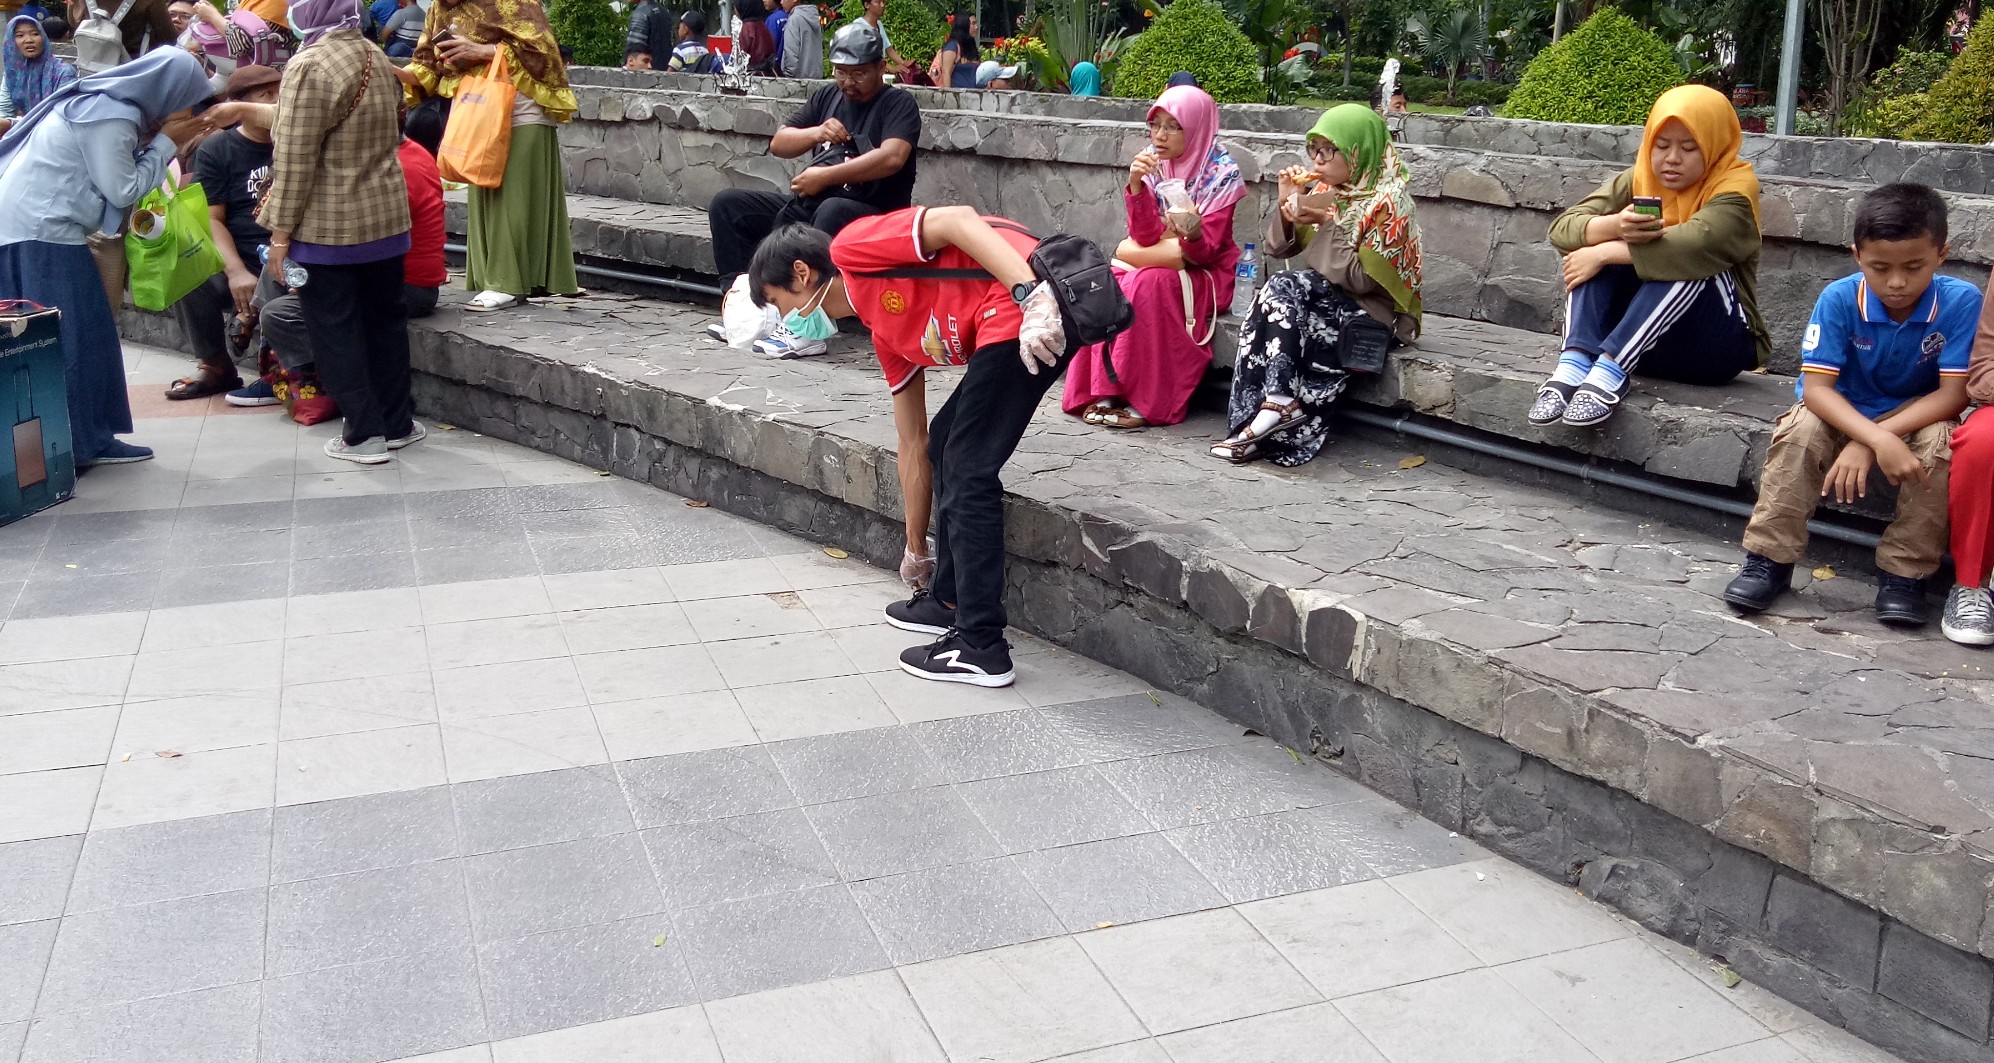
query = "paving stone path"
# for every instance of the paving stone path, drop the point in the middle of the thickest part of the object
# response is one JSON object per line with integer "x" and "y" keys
{"x": 483, "y": 758}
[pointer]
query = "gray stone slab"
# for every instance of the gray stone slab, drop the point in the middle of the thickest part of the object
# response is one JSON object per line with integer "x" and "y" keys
{"x": 37, "y": 874}
{"x": 149, "y": 950}
{"x": 206, "y": 1026}
{"x": 470, "y": 564}
{"x": 779, "y": 940}
{"x": 365, "y": 916}
{"x": 850, "y": 764}
{"x": 177, "y": 858}
{"x": 709, "y": 784}
{"x": 1120, "y": 880}
{"x": 362, "y": 833}
{"x": 1046, "y": 809}
{"x": 1205, "y": 785}
{"x": 1393, "y": 840}
{"x": 745, "y": 856}
{"x": 1268, "y": 856}
{"x": 550, "y": 887}
{"x": 346, "y": 510}
{"x": 894, "y": 833}
{"x": 24, "y": 960}
{"x": 544, "y": 807}
{"x": 12, "y": 1036}
{"x": 1133, "y": 725}
{"x": 992, "y": 744}
{"x": 387, "y": 1009}
{"x": 582, "y": 975}
{"x": 373, "y": 572}
{"x": 947, "y": 911}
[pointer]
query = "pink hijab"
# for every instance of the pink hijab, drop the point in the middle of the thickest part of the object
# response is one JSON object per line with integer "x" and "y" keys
{"x": 1206, "y": 168}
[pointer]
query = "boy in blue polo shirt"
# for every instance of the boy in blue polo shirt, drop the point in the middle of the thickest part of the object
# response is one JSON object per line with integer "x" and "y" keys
{"x": 1882, "y": 377}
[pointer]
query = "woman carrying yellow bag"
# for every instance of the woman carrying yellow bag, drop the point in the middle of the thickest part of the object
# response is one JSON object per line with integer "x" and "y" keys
{"x": 519, "y": 240}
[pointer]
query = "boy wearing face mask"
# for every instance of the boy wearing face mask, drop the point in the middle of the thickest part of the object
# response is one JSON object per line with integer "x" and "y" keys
{"x": 901, "y": 275}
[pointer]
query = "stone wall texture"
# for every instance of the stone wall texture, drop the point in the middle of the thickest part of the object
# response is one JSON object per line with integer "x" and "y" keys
{"x": 1483, "y": 210}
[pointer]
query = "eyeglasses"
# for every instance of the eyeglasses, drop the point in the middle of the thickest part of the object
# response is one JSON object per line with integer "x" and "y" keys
{"x": 850, "y": 77}
{"x": 1167, "y": 128}
{"x": 1322, "y": 151}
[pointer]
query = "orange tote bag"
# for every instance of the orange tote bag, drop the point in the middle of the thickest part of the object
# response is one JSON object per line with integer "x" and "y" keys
{"x": 479, "y": 134}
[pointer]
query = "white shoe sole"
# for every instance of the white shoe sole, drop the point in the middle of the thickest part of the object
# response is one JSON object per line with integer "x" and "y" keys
{"x": 359, "y": 459}
{"x": 793, "y": 352}
{"x": 971, "y": 678}
{"x": 909, "y": 625}
{"x": 409, "y": 440}
{"x": 1967, "y": 638}
{"x": 246, "y": 403}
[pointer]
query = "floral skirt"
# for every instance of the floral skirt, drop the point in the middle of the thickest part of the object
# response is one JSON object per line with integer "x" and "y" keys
{"x": 1288, "y": 347}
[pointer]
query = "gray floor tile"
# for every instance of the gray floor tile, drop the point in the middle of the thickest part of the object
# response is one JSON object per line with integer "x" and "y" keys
{"x": 363, "y": 833}
{"x": 708, "y": 784}
{"x": 546, "y": 806}
{"x": 174, "y": 859}
{"x": 553, "y": 498}
{"x": 1131, "y": 725}
{"x": 893, "y": 833}
{"x": 1624, "y": 1000}
{"x": 37, "y": 875}
{"x": 867, "y": 1018}
{"x": 582, "y": 975}
{"x": 1019, "y": 1004}
{"x": 10, "y": 592}
{"x": 1312, "y": 1034}
{"x": 850, "y": 764}
{"x": 334, "y": 575}
{"x": 1395, "y": 840}
{"x": 1046, "y": 809}
{"x": 485, "y": 532}
{"x": 12, "y": 1034}
{"x": 350, "y": 540}
{"x": 1195, "y": 970}
{"x": 680, "y": 548}
{"x": 994, "y": 744}
{"x": 465, "y": 564}
{"x": 1268, "y": 856}
{"x": 96, "y": 559}
{"x": 550, "y": 887}
{"x": 348, "y": 510}
{"x": 388, "y": 1009}
{"x": 1472, "y": 1017}
{"x": 368, "y": 915}
{"x": 1357, "y": 938}
{"x": 1121, "y": 880}
{"x": 780, "y": 940}
{"x": 1226, "y": 782}
{"x": 222, "y": 583}
{"x": 78, "y": 595}
{"x": 746, "y": 856}
{"x": 24, "y": 958}
{"x": 98, "y": 527}
{"x": 150, "y": 950}
{"x": 947, "y": 911}
{"x": 240, "y": 516}
{"x": 575, "y": 524}
{"x": 493, "y": 502}
{"x": 206, "y": 1026}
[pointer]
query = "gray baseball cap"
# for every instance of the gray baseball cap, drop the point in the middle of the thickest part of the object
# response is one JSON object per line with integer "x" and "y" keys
{"x": 856, "y": 45}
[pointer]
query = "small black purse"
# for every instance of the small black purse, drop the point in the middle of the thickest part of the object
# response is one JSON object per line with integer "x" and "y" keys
{"x": 1362, "y": 344}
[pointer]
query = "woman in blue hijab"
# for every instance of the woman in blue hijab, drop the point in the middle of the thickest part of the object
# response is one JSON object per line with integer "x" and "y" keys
{"x": 30, "y": 78}
{"x": 72, "y": 167}
{"x": 1085, "y": 80}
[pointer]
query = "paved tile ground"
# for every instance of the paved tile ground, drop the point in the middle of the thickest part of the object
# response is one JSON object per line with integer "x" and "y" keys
{"x": 484, "y": 758}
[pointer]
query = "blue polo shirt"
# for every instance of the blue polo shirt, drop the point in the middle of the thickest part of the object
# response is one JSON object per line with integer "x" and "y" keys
{"x": 1879, "y": 364}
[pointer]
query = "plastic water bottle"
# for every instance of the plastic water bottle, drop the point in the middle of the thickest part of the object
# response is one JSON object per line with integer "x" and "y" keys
{"x": 294, "y": 274}
{"x": 1244, "y": 277}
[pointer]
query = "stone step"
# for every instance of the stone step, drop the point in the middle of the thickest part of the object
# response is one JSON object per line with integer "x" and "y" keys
{"x": 1805, "y": 793}
{"x": 1472, "y": 373}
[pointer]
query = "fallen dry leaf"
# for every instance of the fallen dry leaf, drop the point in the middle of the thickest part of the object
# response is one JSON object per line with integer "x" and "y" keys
{"x": 835, "y": 552}
{"x": 1824, "y": 572}
{"x": 694, "y": 504}
{"x": 1103, "y": 925}
{"x": 167, "y": 753}
{"x": 1413, "y": 462}
{"x": 1730, "y": 977}
{"x": 658, "y": 942}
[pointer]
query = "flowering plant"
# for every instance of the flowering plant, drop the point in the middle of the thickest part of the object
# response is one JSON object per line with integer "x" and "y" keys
{"x": 1030, "y": 52}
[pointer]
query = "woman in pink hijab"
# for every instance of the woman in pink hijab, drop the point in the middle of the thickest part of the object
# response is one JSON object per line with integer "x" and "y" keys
{"x": 1175, "y": 267}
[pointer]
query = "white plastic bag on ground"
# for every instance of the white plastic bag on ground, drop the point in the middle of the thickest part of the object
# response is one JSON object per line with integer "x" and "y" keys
{"x": 742, "y": 320}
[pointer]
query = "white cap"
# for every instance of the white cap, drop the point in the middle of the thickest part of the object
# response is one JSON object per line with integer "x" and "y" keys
{"x": 991, "y": 70}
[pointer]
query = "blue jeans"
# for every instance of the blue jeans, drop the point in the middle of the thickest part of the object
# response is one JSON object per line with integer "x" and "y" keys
{"x": 1690, "y": 331}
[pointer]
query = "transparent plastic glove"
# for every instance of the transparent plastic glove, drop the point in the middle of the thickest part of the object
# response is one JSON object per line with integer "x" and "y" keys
{"x": 916, "y": 570}
{"x": 1042, "y": 337}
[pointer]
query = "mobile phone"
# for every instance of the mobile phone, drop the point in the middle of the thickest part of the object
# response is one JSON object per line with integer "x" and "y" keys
{"x": 443, "y": 38}
{"x": 1649, "y": 205}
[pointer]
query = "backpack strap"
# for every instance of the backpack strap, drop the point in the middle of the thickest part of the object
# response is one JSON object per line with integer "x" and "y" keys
{"x": 123, "y": 10}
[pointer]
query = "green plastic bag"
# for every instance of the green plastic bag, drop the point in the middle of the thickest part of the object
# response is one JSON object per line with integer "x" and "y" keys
{"x": 169, "y": 246}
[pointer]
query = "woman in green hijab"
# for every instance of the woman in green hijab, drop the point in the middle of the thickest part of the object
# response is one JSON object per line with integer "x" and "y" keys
{"x": 1350, "y": 219}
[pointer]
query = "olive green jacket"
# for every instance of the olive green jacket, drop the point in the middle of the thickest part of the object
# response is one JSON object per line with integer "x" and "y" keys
{"x": 1724, "y": 235}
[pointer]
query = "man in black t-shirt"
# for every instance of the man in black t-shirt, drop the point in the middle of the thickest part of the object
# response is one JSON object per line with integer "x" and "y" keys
{"x": 860, "y": 134}
{"x": 233, "y": 170}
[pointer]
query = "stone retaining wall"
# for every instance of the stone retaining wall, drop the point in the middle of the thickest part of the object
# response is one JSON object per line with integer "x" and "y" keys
{"x": 1483, "y": 213}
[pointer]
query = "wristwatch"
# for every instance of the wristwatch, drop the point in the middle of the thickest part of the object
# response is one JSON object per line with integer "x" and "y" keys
{"x": 1023, "y": 291}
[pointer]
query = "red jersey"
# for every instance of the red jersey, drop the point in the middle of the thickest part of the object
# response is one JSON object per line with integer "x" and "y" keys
{"x": 423, "y": 268}
{"x": 922, "y": 321}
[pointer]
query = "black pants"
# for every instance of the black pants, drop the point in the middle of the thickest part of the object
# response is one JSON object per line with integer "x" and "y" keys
{"x": 1689, "y": 331}
{"x": 742, "y": 218}
{"x": 359, "y": 336}
{"x": 202, "y": 313}
{"x": 285, "y": 329}
{"x": 969, "y": 441}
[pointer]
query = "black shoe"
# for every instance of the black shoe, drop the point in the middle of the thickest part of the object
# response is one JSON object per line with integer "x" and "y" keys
{"x": 921, "y": 613}
{"x": 1901, "y": 600}
{"x": 951, "y": 660}
{"x": 1761, "y": 580}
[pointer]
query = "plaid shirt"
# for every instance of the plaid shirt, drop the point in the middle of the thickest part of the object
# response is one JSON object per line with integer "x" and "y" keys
{"x": 337, "y": 183}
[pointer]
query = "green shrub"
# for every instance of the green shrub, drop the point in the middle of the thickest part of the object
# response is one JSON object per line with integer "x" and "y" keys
{"x": 1609, "y": 71}
{"x": 591, "y": 27}
{"x": 1419, "y": 88}
{"x": 1331, "y": 87}
{"x": 1491, "y": 93}
{"x": 1958, "y": 108}
{"x": 1193, "y": 35}
{"x": 916, "y": 30}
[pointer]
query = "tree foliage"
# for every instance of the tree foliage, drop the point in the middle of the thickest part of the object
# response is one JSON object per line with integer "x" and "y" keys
{"x": 1193, "y": 35}
{"x": 1609, "y": 71}
{"x": 591, "y": 27}
{"x": 1960, "y": 108}
{"x": 917, "y": 30}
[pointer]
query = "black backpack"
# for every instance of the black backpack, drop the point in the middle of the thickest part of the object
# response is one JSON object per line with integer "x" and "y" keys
{"x": 1091, "y": 303}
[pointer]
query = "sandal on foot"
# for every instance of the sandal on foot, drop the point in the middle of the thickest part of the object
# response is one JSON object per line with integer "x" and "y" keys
{"x": 1093, "y": 413}
{"x": 1236, "y": 451}
{"x": 487, "y": 301}
{"x": 1122, "y": 417}
{"x": 1591, "y": 405}
{"x": 1288, "y": 415}
{"x": 207, "y": 380}
{"x": 1552, "y": 399}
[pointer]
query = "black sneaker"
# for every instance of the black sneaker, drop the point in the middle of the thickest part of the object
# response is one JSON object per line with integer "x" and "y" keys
{"x": 1760, "y": 581}
{"x": 1901, "y": 600}
{"x": 921, "y": 613}
{"x": 951, "y": 660}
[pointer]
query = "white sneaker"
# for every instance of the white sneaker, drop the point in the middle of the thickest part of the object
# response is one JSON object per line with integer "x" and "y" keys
{"x": 716, "y": 332}
{"x": 366, "y": 452}
{"x": 1969, "y": 617}
{"x": 416, "y": 434}
{"x": 783, "y": 343}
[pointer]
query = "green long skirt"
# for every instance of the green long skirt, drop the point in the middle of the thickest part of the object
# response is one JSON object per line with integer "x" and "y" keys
{"x": 519, "y": 242}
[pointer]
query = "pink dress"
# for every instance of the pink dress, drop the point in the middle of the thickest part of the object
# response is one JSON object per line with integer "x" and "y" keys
{"x": 1160, "y": 363}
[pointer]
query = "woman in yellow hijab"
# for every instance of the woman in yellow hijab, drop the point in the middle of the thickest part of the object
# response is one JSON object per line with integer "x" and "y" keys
{"x": 1660, "y": 265}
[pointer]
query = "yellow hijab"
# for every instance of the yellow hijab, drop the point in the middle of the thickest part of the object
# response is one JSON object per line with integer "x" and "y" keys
{"x": 1710, "y": 119}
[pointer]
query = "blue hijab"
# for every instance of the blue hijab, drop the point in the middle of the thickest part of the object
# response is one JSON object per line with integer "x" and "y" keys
{"x": 30, "y": 81}
{"x": 143, "y": 92}
{"x": 1086, "y": 80}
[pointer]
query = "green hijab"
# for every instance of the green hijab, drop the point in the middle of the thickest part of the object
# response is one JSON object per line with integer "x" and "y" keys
{"x": 1359, "y": 133}
{"x": 1375, "y": 208}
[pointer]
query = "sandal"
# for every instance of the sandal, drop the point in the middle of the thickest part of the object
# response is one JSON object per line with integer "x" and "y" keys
{"x": 1236, "y": 451}
{"x": 1093, "y": 413}
{"x": 487, "y": 301}
{"x": 1549, "y": 408}
{"x": 1287, "y": 415}
{"x": 207, "y": 380}
{"x": 1122, "y": 417}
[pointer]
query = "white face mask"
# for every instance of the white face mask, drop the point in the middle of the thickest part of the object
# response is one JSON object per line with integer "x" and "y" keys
{"x": 813, "y": 323}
